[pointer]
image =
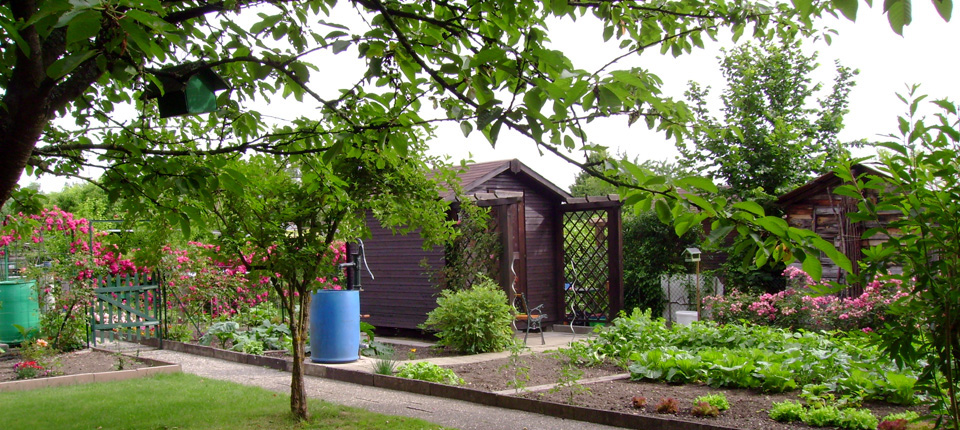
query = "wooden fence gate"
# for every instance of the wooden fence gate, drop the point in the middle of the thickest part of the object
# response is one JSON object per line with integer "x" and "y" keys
{"x": 128, "y": 308}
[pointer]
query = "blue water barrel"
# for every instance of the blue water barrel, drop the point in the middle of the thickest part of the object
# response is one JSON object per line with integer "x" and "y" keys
{"x": 18, "y": 305}
{"x": 335, "y": 326}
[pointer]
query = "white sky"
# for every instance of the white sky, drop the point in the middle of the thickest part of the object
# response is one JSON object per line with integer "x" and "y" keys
{"x": 925, "y": 55}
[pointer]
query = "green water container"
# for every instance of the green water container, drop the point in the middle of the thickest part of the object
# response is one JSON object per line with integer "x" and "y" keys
{"x": 18, "y": 305}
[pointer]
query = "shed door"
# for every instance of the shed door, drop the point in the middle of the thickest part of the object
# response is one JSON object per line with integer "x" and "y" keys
{"x": 509, "y": 219}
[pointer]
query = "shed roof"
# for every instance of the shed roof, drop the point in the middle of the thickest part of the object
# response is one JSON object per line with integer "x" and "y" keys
{"x": 473, "y": 176}
{"x": 821, "y": 182}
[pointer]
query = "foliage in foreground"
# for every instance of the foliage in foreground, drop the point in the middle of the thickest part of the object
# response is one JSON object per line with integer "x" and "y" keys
{"x": 474, "y": 320}
{"x": 919, "y": 180}
{"x": 180, "y": 401}
{"x": 758, "y": 357}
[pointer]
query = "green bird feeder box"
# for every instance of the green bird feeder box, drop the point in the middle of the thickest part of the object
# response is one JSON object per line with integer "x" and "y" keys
{"x": 187, "y": 89}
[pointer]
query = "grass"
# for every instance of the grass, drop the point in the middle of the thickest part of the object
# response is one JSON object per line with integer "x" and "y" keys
{"x": 180, "y": 401}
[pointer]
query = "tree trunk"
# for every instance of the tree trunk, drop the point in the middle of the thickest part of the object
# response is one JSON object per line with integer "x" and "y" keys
{"x": 298, "y": 390}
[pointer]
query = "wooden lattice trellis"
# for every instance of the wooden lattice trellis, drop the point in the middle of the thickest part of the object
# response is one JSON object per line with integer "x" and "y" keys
{"x": 586, "y": 267}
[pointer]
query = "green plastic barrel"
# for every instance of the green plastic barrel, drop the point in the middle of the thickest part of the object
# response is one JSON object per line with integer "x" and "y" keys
{"x": 18, "y": 305}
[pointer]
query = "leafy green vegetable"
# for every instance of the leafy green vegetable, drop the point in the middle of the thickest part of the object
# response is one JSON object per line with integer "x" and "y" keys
{"x": 426, "y": 371}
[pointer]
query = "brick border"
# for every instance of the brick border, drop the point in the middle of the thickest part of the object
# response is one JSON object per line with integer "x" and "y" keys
{"x": 159, "y": 367}
{"x": 559, "y": 410}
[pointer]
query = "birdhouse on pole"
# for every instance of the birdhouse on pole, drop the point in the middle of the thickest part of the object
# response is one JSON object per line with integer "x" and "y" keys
{"x": 187, "y": 89}
{"x": 691, "y": 255}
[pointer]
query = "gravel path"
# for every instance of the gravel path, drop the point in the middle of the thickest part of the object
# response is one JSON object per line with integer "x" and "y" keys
{"x": 450, "y": 413}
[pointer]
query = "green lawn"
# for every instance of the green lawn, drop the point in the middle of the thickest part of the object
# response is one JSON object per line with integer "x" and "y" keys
{"x": 179, "y": 401}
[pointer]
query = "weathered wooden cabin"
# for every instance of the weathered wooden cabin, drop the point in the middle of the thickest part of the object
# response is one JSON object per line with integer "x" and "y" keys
{"x": 530, "y": 214}
{"x": 814, "y": 206}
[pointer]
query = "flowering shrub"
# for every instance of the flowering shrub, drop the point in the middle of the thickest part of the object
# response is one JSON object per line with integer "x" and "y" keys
{"x": 339, "y": 255}
{"x": 204, "y": 282}
{"x": 792, "y": 308}
{"x": 57, "y": 251}
{"x": 28, "y": 370}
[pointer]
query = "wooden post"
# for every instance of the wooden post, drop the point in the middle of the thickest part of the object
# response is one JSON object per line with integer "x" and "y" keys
{"x": 615, "y": 261}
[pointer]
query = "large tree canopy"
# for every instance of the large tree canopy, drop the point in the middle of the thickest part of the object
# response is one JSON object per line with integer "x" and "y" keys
{"x": 75, "y": 73}
{"x": 485, "y": 64}
{"x": 771, "y": 138}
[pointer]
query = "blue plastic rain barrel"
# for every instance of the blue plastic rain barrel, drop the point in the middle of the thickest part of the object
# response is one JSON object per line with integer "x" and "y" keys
{"x": 18, "y": 305}
{"x": 335, "y": 326}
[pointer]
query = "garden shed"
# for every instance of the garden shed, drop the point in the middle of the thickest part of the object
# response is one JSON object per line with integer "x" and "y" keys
{"x": 814, "y": 206}
{"x": 559, "y": 251}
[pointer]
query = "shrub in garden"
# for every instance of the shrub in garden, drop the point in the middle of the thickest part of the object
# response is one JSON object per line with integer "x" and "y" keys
{"x": 474, "y": 320}
{"x": 786, "y": 412}
{"x": 68, "y": 328}
{"x": 668, "y": 405}
{"x": 179, "y": 332}
{"x": 29, "y": 370}
{"x": 793, "y": 308}
{"x": 426, "y": 371}
{"x": 38, "y": 351}
{"x": 73, "y": 263}
{"x": 209, "y": 284}
{"x": 654, "y": 250}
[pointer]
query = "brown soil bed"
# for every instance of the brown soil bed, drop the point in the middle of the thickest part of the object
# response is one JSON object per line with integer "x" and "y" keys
{"x": 748, "y": 409}
{"x": 72, "y": 363}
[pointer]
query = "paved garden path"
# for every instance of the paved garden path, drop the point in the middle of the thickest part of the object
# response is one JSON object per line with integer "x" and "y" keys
{"x": 450, "y": 413}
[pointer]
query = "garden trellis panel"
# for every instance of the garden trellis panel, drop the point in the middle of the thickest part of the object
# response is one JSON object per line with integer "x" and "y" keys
{"x": 126, "y": 308}
{"x": 592, "y": 260}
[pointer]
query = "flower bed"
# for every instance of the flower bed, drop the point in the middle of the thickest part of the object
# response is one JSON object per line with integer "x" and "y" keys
{"x": 795, "y": 308}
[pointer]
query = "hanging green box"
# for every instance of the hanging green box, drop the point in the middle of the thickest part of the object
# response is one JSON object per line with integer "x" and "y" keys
{"x": 187, "y": 89}
{"x": 18, "y": 306}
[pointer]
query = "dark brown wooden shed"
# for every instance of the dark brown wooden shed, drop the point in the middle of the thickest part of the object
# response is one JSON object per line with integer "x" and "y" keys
{"x": 814, "y": 206}
{"x": 530, "y": 214}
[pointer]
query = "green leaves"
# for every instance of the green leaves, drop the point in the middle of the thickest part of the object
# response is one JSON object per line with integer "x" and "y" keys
{"x": 11, "y": 29}
{"x": 149, "y": 20}
{"x": 944, "y": 8}
{"x": 65, "y": 65}
{"x": 899, "y": 14}
{"x": 84, "y": 26}
{"x": 848, "y": 8}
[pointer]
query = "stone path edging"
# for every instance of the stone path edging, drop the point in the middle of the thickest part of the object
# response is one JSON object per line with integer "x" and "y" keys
{"x": 557, "y": 410}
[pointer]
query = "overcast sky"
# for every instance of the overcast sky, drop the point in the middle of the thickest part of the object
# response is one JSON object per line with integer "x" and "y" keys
{"x": 925, "y": 55}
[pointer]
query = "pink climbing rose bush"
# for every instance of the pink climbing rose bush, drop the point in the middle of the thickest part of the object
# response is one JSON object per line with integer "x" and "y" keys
{"x": 793, "y": 308}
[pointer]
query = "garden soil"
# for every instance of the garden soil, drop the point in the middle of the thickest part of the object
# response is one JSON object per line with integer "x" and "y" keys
{"x": 748, "y": 409}
{"x": 73, "y": 363}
